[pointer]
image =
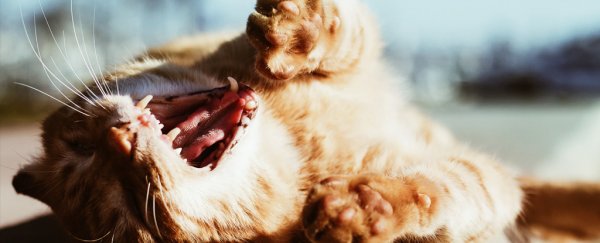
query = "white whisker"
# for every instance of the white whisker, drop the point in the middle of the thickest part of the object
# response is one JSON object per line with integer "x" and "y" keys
{"x": 63, "y": 95}
{"x": 154, "y": 214}
{"x": 167, "y": 204}
{"x": 74, "y": 89}
{"x": 65, "y": 57}
{"x": 96, "y": 50}
{"x": 52, "y": 97}
{"x": 81, "y": 51}
{"x": 94, "y": 240}
{"x": 147, "y": 195}
{"x": 76, "y": 75}
{"x": 117, "y": 84}
{"x": 82, "y": 56}
{"x": 47, "y": 70}
{"x": 88, "y": 62}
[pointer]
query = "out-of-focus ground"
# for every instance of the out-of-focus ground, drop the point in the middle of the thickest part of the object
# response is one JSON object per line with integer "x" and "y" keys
{"x": 551, "y": 141}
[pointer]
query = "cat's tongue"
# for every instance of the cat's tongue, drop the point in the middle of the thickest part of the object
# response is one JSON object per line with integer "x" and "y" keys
{"x": 210, "y": 124}
{"x": 205, "y": 123}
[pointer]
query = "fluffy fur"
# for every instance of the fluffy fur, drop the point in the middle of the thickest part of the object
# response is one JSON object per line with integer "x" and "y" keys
{"x": 335, "y": 154}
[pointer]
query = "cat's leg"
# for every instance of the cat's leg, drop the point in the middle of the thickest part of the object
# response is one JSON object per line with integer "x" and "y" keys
{"x": 451, "y": 201}
{"x": 320, "y": 37}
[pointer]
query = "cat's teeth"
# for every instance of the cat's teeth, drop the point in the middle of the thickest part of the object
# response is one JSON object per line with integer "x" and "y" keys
{"x": 161, "y": 126}
{"x": 173, "y": 133}
{"x": 250, "y": 105}
{"x": 205, "y": 169}
{"x": 289, "y": 69}
{"x": 144, "y": 102}
{"x": 178, "y": 150}
{"x": 245, "y": 120}
{"x": 233, "y": 84}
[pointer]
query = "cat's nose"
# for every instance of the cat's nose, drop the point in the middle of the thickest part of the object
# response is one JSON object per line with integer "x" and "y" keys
{"x": 121, "y": 139}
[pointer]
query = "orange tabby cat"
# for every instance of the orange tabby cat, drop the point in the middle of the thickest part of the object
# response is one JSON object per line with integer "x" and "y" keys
{"x": 313, "y": 144}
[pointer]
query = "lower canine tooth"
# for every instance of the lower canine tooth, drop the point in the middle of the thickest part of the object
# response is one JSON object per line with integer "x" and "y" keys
{"x": 245, "y": 120}
{"x": 250, "y": 105}
{"x": 178, "y": 150}
{"x": 173, "y": 133}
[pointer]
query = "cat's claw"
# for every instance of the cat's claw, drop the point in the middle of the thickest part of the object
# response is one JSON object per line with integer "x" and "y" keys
{"x": 424, "y": 200}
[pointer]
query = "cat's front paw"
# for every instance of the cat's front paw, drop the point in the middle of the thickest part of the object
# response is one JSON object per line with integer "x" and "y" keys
{"x": 290, "y": 36}
{"x": 367, "y": 209}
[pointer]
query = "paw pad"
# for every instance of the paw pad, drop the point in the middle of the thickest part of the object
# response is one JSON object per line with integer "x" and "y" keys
{"x": 343, "y": 210}
{"x": 286, "y": 33}
{"x": 372, "y": 200}
{"x": 346, "y": 216}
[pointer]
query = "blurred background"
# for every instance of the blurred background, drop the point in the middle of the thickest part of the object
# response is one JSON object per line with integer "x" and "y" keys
{"x": 518, "y": 79}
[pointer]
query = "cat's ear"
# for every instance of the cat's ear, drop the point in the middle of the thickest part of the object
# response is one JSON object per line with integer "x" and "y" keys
{"x": 26, "y": 183}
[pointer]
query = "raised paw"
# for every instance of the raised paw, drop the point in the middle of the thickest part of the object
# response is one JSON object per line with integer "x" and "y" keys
{"x": 290, "y": 36}
{"x": 364, "y": 209}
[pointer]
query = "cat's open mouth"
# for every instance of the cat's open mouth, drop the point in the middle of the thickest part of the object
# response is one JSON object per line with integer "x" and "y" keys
{"x": 202, "y": 126}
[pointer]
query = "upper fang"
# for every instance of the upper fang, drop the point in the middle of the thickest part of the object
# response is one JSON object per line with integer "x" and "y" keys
{"x": 233, "y": 84}
{"x": 144, "y": 102}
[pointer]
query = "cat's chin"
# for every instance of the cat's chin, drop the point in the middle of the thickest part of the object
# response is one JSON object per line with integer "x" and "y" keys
{"x": 199, "y": 129}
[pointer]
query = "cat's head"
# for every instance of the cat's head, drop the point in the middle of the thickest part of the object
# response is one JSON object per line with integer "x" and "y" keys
{"x": 137, "y": 168}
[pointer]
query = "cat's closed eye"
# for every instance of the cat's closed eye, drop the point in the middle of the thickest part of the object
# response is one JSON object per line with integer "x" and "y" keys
{"x": 81, "y": 147}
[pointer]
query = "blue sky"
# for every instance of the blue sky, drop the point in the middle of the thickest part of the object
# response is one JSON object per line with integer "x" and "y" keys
{"x": 473, "y": 22}
{"x": 466, "y": 23}
{"x": 410, "y": 24}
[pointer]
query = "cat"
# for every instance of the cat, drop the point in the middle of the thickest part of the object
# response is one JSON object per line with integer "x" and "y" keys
{"x": 314, "y": 143}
